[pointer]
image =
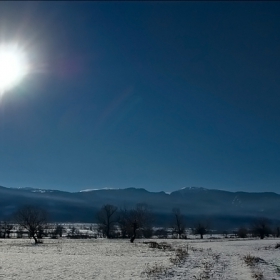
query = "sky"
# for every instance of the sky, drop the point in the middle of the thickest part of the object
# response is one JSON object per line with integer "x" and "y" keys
{"x": 154, "y": 95}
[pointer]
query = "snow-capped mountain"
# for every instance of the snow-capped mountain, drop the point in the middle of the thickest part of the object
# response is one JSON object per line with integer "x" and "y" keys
{"x": 193, "y": 202}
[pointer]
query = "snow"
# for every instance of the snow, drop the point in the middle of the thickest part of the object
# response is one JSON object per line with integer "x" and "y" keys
{"x": 91, "y": 190}
{"x": 120, "y": 259}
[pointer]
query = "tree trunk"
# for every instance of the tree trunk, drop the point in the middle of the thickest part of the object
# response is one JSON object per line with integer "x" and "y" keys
{"x": 35, "y": 239}
{"x": 134, "y": 232}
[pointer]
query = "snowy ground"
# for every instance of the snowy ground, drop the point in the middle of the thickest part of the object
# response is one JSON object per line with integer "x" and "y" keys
{"x": 119, "y": 259}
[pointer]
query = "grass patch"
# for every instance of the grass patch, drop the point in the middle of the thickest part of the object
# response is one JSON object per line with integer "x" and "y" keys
{"x": 156, "y": 270}
{"x": 258, "y": 275}
{"x": 180, "y": 256}
{"x": 252, "y": 260}
{"x": 163, "y": 245}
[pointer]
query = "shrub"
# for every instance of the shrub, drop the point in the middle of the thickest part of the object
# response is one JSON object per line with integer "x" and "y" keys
{"x": 163, "y": 245}
{"x": 251, "y": 260}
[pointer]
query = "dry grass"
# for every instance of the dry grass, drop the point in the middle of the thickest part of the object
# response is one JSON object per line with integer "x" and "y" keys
{"x": 154, "y": 271}
{"x": 158, "y": 271}
{"x": 258, "y": 275}
{"x": 180, "y": 256}
{"x": 163, "y": 245}
{"x": 252, "y": 260}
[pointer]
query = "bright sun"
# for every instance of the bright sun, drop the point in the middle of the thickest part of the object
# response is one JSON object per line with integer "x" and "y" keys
{"x": 13, "y": 67}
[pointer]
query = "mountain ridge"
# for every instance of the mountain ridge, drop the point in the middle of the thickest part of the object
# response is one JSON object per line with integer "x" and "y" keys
{"x": 82, "y": 206}
{"x": 134, "y": 188}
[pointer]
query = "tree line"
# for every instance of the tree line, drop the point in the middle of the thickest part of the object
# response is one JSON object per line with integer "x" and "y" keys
{"x": 112, "y": 222}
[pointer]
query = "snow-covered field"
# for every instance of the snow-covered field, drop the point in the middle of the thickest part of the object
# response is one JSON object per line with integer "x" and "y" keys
{"x": 119, "y": 259}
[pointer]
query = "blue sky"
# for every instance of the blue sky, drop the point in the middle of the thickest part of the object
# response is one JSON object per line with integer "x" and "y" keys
{"x": 157, "y": 95}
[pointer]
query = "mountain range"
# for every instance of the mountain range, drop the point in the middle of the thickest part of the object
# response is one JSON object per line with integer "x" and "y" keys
{"x": 221, "y": 208}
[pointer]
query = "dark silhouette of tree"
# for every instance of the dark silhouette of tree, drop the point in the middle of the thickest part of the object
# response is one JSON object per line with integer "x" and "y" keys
{"x": 123, "y": 222}
{"x": 277, "y": 232}
{"x": 134, "y": 220}
{"x": 140, "y": 218}
{"x": 5, "y": 229}
{"x": 33, "y": 219}
{"x": 242, "y": 232}
{"x": 178, "y": 223}
{"x": 261, "y": 227}
{"x": 73, "y": 233}
{"x": 107, "y": 219}
{"x": 58, "y": 230}
{"x": 200, "y": 229}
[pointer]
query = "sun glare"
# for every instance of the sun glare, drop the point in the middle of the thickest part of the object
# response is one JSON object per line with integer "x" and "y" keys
{"x": 13, "y": 67}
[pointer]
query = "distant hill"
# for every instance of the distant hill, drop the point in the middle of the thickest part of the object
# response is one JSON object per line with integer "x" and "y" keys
{"x": 219, "y": 207}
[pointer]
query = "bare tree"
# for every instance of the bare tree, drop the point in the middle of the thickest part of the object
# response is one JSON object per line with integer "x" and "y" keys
{"x": 136, "y": 219}
{"x": 33, "y": 219}
{"x": 277, "y": 232}
{"x": 5, "y": 229}
{"x": 58, "y": 230}
{"x": 123, "y": 222}
{"x": 261, "y": 227}
{"x": 107, "y": 219}
{"x": 201, "y": 229}
{"x": 242, "y": 232}
{"x": 178, "y": 223}
{"x": 133, "y": 220}
{"x": 74, "y": 233}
